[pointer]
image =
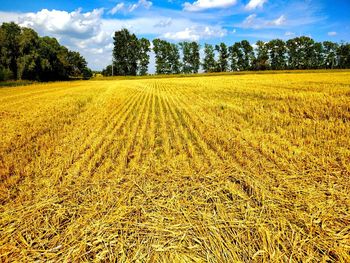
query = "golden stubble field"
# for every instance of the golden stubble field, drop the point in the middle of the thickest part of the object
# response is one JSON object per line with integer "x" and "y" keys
{"x": 248, "y": 168}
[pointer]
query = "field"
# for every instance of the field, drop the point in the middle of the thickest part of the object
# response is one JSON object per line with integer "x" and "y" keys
{"x": 232, "y": 168}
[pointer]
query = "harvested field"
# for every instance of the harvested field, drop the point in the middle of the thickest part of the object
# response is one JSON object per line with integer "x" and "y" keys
{"x": 236, "y": 168}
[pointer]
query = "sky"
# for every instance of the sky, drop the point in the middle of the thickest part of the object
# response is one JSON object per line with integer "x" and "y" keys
{"x": 88, "y": 26}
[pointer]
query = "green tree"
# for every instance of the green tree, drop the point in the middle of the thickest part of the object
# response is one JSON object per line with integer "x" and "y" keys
{"x": 300, "y": 52}
{"x": 173, "y": 59}
{"x": 277, "y": 54}
{"x": 143, "y": 59}
{"x": 190, "y": 57}
{"x": 27, "y": 61}
{"x": 343, "y": 53}
{"x": 330, "y": 54}
{"x": 10, "y": 48}
{"x": 248, "y": 53}
{"x": 262, "y": 57}
{"x": 125, "y": 53}
{"x": 167, "y": 57}
{"x": 236, "y": 57}
{"x": 222, "y": 64}
{"x": 209, "y": 63}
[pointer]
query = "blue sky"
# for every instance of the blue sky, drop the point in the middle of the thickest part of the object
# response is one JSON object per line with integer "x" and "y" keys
{"x": 88, "y": 26}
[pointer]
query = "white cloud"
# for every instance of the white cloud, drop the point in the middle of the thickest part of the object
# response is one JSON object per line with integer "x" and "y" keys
{"x": 74, "y": 24}
{"x": 253, "y": 4}
{"x": 332, "y": 34}
{"x": 289, "y": 34}
{"x": 141, "y": 3}
{"x": 164, "y": 23}
{"x": 207, "y": 4}
{"x": 195, "y": 33}
{"x": 278, "y": 22}
{"x": 117, "y": 8}
{"x": 253, "y": 21}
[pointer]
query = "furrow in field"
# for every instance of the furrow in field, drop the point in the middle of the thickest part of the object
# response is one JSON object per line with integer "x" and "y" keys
{"x": 32, "y": 96}
{"x": 107, "y": 123}
{"x": 171, "y": 133}
{"x": 96, "y": 156}
{"x": 126, "y": 153}
{"x": 193, "y": 151}
{"x": 141, "y": 144}
{"x": 226, "y": 161}
{"x": 122, "y": 151}
{"x": 109, "y": 158}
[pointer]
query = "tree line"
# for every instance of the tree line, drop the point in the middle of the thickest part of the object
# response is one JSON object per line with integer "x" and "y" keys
{"x": 131, "y": 55}
{"x": 26, "y": 55}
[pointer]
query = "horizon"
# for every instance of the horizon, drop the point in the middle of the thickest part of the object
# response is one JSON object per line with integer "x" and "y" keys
{"x": 88, "y": 27}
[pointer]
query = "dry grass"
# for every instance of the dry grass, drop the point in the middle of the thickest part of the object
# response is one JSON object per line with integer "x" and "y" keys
{"x": 249, "y": 168}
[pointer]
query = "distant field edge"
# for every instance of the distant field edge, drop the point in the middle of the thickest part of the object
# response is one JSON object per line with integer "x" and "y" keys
{"x": 225, "y": 74}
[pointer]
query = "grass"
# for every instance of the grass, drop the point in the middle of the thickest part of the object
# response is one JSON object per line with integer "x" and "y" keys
{"x": 246, "y": 168}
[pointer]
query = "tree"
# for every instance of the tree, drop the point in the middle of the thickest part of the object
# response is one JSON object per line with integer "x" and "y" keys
{"x": 330, "y": 54}
{"x": 209, "y": 63}
{"x": 125, "y": 53}
{"x": 248, "y": 53}
{"x": 167, "y": 57}
{"x": 87, "y": 73}
{"x": 317, "y": 60}
{"x": 143, "y": 58}
{"x": 107, "y": 71}
{"x": 300, "y": 52}
{"x": 10, "y": 47}
{"x": 173, "y": 59}
{"x": 191, "y": 57}
{"x": 27, "y": 61}
{"x": 26, "y": 55}
{"x": 277, "y": 54}
{"x": 222, "y": 64}
{"x": 262, "y": 57}
{"x": 343, "y": 53}
{"x": 236, "y": 57}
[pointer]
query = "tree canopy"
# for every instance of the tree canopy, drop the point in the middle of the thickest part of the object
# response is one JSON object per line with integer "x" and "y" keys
{"x": 26, "y": 55}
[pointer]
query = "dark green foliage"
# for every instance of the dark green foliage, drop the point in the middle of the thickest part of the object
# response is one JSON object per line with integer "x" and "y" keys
{"x": 191, "y": 57}
{"x": 144, "y": 49}
{"x": 130, "y": 54}
{"x": 167, "y": 57}
{"x": 277, "y": 54}
{"x": 222, "y": 64}
{"x": 209, "y": 63}
{"x": 236, "y": 57}
{"x": 330, "y": 54}
{"x": 87, "y": 73}
{"x": 343, "y": 53}
{"x": 107, "y": 72}
{"x": 25, "y": 55}
{"x": 125, "y": 53}
{"x": 262, "y": 56}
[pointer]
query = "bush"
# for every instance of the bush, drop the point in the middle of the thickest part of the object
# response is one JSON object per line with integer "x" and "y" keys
{"x": 87, "y": 73}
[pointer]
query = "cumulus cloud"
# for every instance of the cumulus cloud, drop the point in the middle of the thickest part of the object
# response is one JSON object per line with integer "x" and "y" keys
{"x": 332, "y": 34}
{"x": 208, "y": 4}
{"x": 253, "y": 4}
{"x": 75, "y": 24}
{"x": 116, "y": 9}
{"x": 195, "y": 33}
{"x": 253, "y": 21}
